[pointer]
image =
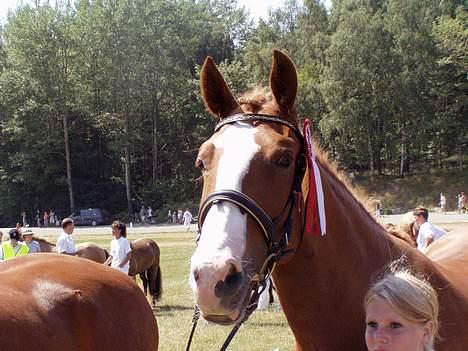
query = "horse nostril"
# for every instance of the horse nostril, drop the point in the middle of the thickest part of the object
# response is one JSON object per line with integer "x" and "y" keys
{"x": 196, "y": 275}
{"x": 231, "y": 283}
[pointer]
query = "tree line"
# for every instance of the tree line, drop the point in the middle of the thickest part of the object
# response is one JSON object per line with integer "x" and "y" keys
{"x": 100, "y": 104}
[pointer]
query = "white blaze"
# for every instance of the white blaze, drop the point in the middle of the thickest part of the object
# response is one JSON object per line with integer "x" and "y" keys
{"x": 224, "y": 229}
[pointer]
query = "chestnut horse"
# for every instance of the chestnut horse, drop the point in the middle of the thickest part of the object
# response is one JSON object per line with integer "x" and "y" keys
{"x": 56, "y": 302}
{"x": 145, "y": 262}
{"x": 88, "y": 250}
{"x": 250, "y": 165}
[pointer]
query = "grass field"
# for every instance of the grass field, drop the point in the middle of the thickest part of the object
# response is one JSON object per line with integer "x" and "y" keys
{"x": 265, "y": 330}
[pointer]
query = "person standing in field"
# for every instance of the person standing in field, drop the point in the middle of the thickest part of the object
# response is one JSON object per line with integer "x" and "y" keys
{"x": 14, "y": 247}
{"x": 462, "y": 203}
{"x": 38, "y": 218}
{"x": 426, "y": 231}
{"x": 169, "y": 217}
{"x": 443, "y": 203}
{"x": 187, "y": 219}
{"x": 33, "y": 245}
{"x": 45, "y": 217}
{"x": 180, "y": 216}
{"x": 65, "y": 242}
{"x": 23, "y": 218}
{"x": 52, "y": 218}
{"x": 120, "y": 251}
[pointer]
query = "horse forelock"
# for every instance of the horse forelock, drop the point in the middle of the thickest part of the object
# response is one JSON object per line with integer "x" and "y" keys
{"x": 261, "y": 100}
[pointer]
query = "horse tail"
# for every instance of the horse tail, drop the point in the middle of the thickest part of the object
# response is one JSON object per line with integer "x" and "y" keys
{"x": 155, "y": 282}
{"x": 106, "y": 253}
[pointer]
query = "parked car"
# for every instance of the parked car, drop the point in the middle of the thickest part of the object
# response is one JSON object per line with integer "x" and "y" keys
{"x": 91, "y": 216}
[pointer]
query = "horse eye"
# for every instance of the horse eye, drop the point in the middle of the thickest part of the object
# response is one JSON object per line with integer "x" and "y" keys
{"x": 285, "y": 160}
{"x": 199, "y": 164}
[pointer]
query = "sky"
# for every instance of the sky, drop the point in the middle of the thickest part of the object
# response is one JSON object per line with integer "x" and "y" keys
{"x": 257, "y": 8}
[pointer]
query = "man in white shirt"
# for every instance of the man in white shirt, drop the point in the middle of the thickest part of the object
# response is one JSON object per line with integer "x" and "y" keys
{"x": 65, "y": 242}
{"x": 443, "y": 203}
{"x": 187, "y": 218}
{"x": 427, "y": 232}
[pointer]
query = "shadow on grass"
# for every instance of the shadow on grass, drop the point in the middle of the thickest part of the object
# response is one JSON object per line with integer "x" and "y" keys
{"x": 270, "y": 324}
{"x": 167, "y": 310}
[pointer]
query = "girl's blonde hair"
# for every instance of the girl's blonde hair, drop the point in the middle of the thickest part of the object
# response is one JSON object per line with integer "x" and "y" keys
{"x": 411, "y": 297}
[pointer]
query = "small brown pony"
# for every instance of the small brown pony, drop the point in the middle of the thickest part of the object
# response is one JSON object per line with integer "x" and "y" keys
{"x": 54, "y": 302}
{"x": 320, "y": 280}
{"x": 145, "y": 262}
{"x": 88, "y": 250}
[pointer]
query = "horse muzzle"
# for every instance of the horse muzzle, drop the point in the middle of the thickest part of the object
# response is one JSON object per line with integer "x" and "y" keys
{"x": 221, "y": 290}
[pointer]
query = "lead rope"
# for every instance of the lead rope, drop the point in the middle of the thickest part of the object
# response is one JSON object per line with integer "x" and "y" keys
{"x": 258, "y": 288}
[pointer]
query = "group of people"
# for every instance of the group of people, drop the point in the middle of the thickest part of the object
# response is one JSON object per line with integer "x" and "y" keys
{"x": 180, "y": 217}
{"x": 462, "y": 203}
{"x": 15, "y": 246}
{"x": 21, "y": 242}
{"x": 120, "y": 251}
{"x": 146, "y": 215}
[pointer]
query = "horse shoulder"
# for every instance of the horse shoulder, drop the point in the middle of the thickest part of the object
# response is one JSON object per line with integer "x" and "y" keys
{"x": 61, "y": 307}
{"x": 450, "y": 254}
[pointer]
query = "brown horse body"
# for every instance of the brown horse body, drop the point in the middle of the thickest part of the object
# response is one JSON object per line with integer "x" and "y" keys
{"x": 322, "y": 285}
{"x": 55, "y": 302}
{"x": 145, "y": 262}
{"x": 88, "y": 250}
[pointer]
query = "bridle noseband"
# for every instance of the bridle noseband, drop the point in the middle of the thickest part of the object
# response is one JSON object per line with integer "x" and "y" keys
{"x": 276, "y": 236}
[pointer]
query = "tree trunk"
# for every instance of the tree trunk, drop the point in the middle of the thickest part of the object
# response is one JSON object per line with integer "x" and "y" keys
{"x": 155, "y": 140}
{"x": 402, "y": 159}
{"x": 460, "y": 157}
{"x": 371, "y": 152}
{"x": 128, "y": 180}
{"x": 67, "y": 157}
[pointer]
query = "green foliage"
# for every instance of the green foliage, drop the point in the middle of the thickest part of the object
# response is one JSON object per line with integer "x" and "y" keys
{"x": 100, "y": 101}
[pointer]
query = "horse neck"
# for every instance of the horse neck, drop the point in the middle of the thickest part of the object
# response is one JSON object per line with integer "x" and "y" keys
{"x": 45, "y": 245}
{"x": 324, "y": 284}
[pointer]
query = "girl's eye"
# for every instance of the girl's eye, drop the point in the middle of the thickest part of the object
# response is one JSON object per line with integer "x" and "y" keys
{"x": 395, "y": 325}
{"x": 199, "y": 164}
{"x": 372, "y": 325}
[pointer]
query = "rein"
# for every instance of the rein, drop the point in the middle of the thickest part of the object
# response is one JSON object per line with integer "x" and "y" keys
{"x": 276, "y": 244}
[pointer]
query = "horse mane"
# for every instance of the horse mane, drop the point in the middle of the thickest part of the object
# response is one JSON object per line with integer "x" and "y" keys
{"x": 42, "y": 240}
{"x": 260, "y": 98}
{"x": 359, "y": 194}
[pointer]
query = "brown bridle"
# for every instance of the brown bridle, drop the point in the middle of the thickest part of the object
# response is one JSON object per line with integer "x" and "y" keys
{"x": 276, "y": 231}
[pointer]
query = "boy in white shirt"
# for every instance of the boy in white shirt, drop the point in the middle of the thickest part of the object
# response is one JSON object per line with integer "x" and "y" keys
{"x": 120, "y": 251}
{"x": 427, "y": 232}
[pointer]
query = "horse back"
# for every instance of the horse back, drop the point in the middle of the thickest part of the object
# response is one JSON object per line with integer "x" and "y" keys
{"x": 145, "y": 254}
{"x": 69, "y": 301}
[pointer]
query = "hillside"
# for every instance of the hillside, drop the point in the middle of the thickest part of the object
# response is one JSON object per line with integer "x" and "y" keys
{"x": 401, "y": 194}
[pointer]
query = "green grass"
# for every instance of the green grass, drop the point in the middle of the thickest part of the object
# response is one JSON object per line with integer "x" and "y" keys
{"x": 264, "y": 331}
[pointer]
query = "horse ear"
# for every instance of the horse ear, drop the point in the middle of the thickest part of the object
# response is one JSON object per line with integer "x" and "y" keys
{"x": 216, "y": 94}
{"x": 283, "y": 80}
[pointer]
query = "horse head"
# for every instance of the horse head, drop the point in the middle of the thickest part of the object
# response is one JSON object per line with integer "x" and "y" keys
{"x": 251, "y": 166}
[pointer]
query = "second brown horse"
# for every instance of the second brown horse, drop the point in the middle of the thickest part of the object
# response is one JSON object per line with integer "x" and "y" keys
{"x": 145, "y": 262}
